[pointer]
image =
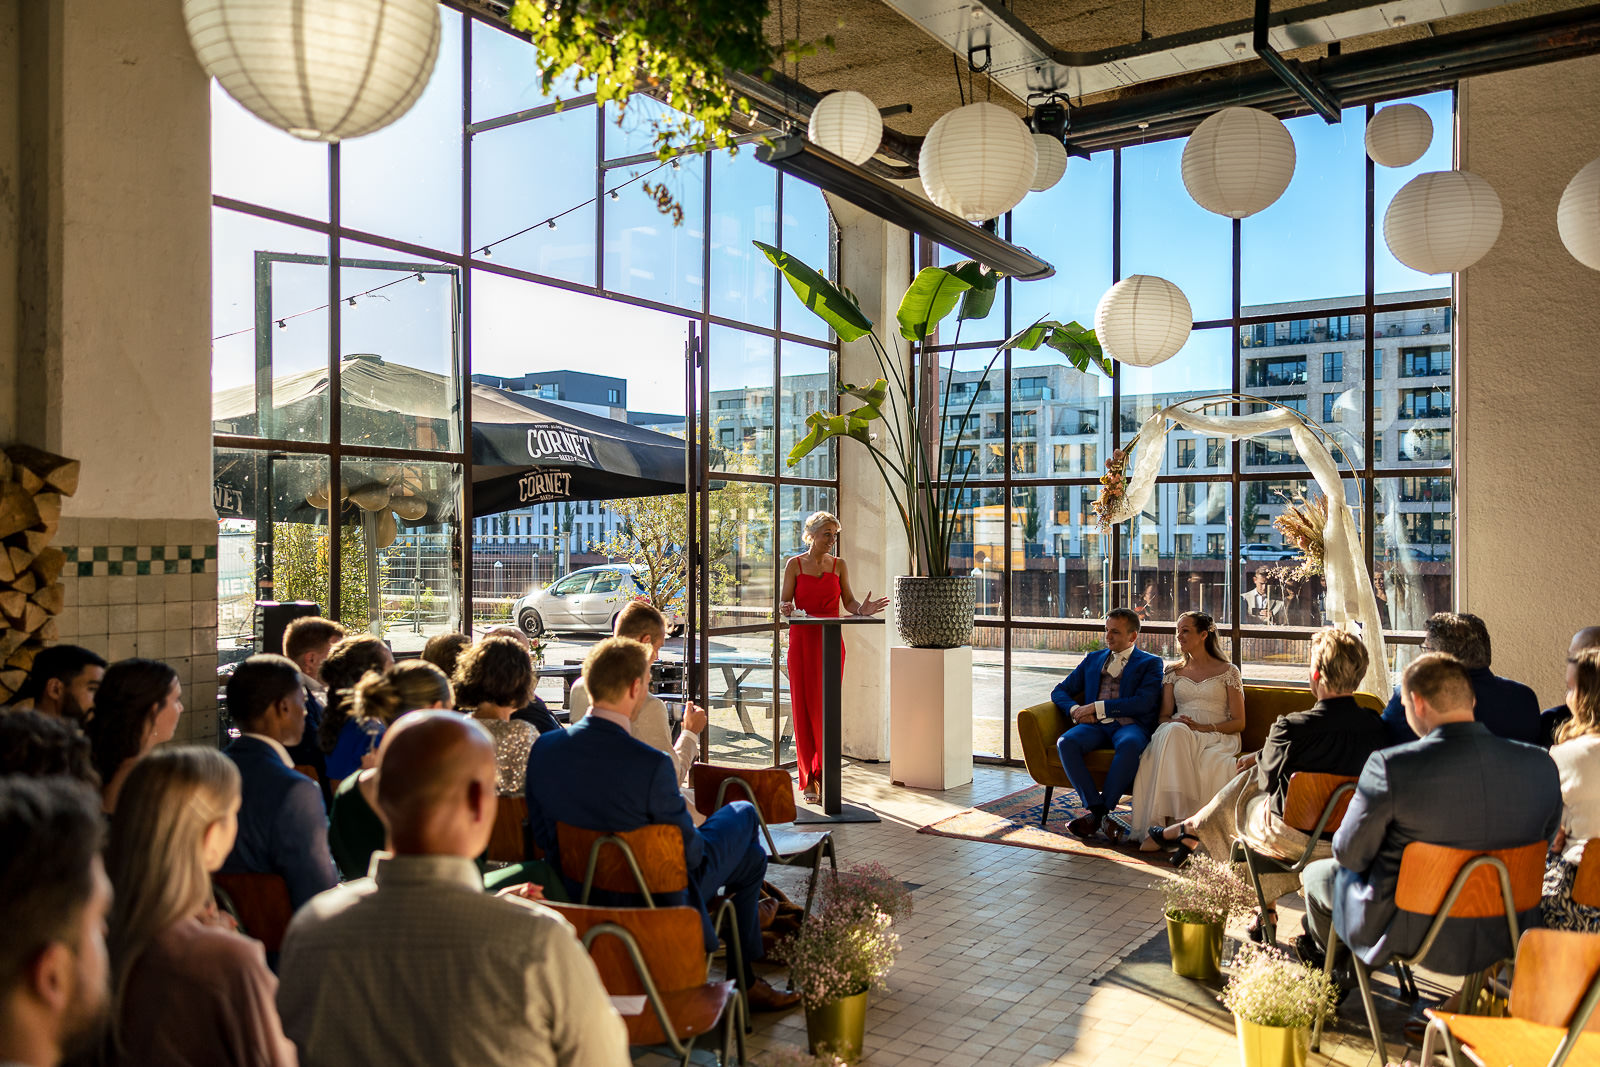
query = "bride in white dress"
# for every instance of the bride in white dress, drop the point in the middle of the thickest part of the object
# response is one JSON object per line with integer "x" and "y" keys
{"x": 1194, "y": 751}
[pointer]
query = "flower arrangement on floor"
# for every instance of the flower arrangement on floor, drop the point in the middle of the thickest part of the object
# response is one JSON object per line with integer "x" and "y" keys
{"x": 1113, "y": 485}
{"x": 1205, "y": 891}
{"x": 869, "y": 884}
{"x": 1302, "y": 524}
{"x": 1269, "y": 988}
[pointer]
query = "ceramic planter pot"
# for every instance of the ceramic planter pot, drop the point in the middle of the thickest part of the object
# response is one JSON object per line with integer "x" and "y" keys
{"x": 1196, "y": 949}
{"x": 838, "y": 1026}
{"x": 1272, "y": 1046}
{"x": 935, "y": 612}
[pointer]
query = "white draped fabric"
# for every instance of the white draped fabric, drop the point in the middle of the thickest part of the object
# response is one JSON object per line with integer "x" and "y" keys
{"x": 1349, "y": 594}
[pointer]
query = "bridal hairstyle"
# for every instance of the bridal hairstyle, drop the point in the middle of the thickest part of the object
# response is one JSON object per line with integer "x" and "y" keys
{"x": 171, "y": 798}
{"x": 1585, "y": 703}
{"x": 1207, "y": 626}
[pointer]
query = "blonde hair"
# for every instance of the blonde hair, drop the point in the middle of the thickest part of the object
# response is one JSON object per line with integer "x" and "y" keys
{"x": 171, "y": 798}
{"x": 1586, "y": 701}
{"x": 1339, "y": 658}
{"x": 404, "y": 687}
{"x": 816, "y": 521}
{"x": 613, "y": 665}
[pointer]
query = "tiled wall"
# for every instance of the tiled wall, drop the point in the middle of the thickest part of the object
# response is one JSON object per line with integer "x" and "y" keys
{"x": 148, "y": 588}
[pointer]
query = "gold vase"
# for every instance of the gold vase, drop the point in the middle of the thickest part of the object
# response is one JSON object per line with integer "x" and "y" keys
{"x": 838, "y": 1026}
{"x": 1196, "y": 949}
{"x": 1272, "y": 1046}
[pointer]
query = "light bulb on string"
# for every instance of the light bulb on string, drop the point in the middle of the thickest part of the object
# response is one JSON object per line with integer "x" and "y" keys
{"x": 676, "y": 164}
{"x": 615, "y": 195}
{"x": 283, "y": 324}
{"x": 551, "y": 224}
{"x": 488, "y": 251}
{"x": 420, "y": 279}
{"x": 352, "y": 301}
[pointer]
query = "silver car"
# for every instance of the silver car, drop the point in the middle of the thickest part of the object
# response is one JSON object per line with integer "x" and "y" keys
{"x": 588, "y": 599}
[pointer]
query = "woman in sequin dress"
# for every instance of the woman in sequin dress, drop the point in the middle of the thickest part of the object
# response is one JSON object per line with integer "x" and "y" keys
{"x": 493, "y": 679}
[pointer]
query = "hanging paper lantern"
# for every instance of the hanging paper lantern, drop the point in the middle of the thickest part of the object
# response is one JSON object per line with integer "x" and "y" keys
{"x": 1442, "y": 222}
{"x": 1052, "y": 162}
{"x": 1398, "y": 135}
{"x": 847, "y": 124}
{"x": 978, "y": 161}
{"x": 1143, "y": 320}
{"x": 1238, "y": 162}
{"x": 1578, "y": 216}
{"x": 324, "y": 70}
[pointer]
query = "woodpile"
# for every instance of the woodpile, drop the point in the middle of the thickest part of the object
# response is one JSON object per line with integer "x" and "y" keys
{"x": 32, "y": 483}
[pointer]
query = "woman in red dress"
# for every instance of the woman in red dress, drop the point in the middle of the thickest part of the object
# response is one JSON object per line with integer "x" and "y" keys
{"x": 815, "y": 583}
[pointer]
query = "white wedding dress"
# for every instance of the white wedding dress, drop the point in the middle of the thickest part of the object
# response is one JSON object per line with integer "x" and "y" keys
{"x": 1181, "y": 768}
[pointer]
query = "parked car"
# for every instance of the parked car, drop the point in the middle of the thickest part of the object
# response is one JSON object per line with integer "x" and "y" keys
{"x": 587, "y": 599}
{"x": 1257, "y": 553}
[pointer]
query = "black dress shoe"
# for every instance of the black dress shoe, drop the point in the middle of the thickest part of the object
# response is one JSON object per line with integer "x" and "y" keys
{"x": 1084, "y": 827}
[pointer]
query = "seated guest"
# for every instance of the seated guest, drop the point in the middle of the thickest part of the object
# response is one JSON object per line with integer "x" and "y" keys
{"x": 40, "y": 746}
{"x": 136, "y": 709}
{"x": 354, "y": 830}
{"x": 1334, "y": 736}
{"x": 535, "y": 713}
{"x": 1459, "y": 786}
{"x": 442, "y": 650}
{"x": 493, "y": 679}
{"x": 308, "y": 640}
{"x": 1551, "y": 719}
{"x": 1509, "y": 709}
{"x": 1113, "y": 698}
{"x": 283, "y": 829}
{"x": 597, "y": 776}
{"x": 54, "y": 898}
{"x": 62, "y": 682}
{"x": 416, "y": 965}
{"x": 1577, "y": 758}
{"x": 346, "y": 745}
{"x": 188, "y": 990}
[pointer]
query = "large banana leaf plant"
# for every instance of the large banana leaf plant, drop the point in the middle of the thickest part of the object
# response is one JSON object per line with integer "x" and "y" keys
{"x": 925, "y": 493}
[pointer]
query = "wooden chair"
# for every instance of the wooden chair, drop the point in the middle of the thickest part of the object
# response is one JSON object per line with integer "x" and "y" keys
{"x": 771, "y": 791}
{"x": 261, "y": 901}
{"x": 1553, "y": 995}
{"x": 506, "y": 843}
{"x": 1586, "y": 883}
{"x": 309, "y": 771}
{"x": 658, "y": 953}
{"x": 1450, "y": 883}
{"x": 1315, "y": 805}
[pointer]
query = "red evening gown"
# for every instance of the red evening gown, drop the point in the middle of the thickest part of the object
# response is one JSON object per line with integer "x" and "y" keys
{"x": 816, "y": 596}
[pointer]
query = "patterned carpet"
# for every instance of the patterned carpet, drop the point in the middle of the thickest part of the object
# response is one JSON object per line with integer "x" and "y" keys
{"x": 1014, "y": 820}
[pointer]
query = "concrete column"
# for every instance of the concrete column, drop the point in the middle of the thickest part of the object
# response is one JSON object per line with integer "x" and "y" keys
{"x": 1527, "y": 377}
{"x": 876, "y": 264}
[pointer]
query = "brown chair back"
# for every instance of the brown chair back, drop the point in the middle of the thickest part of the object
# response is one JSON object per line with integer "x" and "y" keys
{"x": 1309, "y": 792}
{"x": 1263, "y": 706}
{"x": 1426, "y": 872}
{"x": 670, "y": 940}
{"x": 657, "y": 849}
{"x": 1554, "y": 969}
{"x": 262, "y": 901}
{"x": 1586, "y": 884}
{"x": 505, "y": 840}
{"x": 309, "y": 771}
{"x": 774, "y": 790}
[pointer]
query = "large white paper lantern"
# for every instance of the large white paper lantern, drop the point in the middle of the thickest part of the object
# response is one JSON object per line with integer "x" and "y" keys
{"x": 1398, "y": 135}
{"x": 1578, "y": 216}
{"x": 847, "y": 124}
{"x": 1143, "y": 320}
{"x": 324, "y": 70}
{"x": 1442, "y": 221}
{"x": 978, "y": 161}
{"x": 1052, "y": 162}
{"x": 1238, "y": 161}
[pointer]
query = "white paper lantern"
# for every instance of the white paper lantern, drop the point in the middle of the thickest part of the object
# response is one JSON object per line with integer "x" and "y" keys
{"x": 978, "y": 161}
{"x": 1052, "y": 162}
{"x": 1442, "y": 222}
{"x": 1238, "y": 162}
{"x": 1578, "y": 216}
{"x": 324, "y": 70}
{"x": 1143, "y": 320}
{"x": 1398, "y": 135}
{"x": 847, "y": 124}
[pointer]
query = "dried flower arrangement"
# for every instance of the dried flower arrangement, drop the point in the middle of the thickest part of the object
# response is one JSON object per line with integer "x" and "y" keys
{"x": 1113, "y": 485}
{"x": 844, "y": 948}
{"x": 1302, "y": 524}
{"x": 1268, "y": 988}
{"x": 1205, "y": 891}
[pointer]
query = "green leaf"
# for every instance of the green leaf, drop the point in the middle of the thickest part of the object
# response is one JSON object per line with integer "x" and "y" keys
{"x": 932, "y": 296}
{"x": 1081, "y": 347}
{"x": 819, "y": 295}
{"x": 856, "y": 423}
{"x": 976, "y": 302}
{"x": 1030, "y": 337}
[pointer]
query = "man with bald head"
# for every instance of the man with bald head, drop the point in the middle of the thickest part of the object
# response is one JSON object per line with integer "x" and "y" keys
{"x": 415, "y": 964}
{"x": 1550, "y": 719}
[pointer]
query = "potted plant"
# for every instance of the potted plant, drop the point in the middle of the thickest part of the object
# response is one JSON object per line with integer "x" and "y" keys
{"x": 1275, "y": 1000}
{"x": 1198, "y": 900}
{"x": 933, "y": 608}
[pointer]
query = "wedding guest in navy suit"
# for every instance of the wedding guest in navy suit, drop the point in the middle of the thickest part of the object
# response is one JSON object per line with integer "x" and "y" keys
{"x": 596, "y": 775}
{"x": 308, "y": 640}
{"x": 1114, "y": 698}
{"x": 1509, "y": 709}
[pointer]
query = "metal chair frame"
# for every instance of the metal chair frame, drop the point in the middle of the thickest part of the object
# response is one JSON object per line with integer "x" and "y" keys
{"x": 1580, "y": 1019}
{"x": 1257, "y": 863}
{"x": 824, "y": 845}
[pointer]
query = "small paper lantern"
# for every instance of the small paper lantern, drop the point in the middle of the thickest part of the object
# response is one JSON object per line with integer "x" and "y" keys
{"x": 978, "y": 161}
{"x": 1398, "y": 135}
{"x": 1052, "y": 162}
{"x": 1238, "y": 162}
{"x": 847, "y": 124}
{"x": 1578, "y": 216}
{"x": 324, "y": 70}
{"x": 1143, "y": 320}
{"x": 1442, "y": 222}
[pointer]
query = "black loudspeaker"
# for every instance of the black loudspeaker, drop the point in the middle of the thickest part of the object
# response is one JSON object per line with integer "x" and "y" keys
{"x": 272, "y": 618}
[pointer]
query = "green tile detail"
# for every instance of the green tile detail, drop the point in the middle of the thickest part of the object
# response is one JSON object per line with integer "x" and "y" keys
{"x": 71, "y": 552}
{"x": 100, "y": 552}
{"x": 169, "y": 566}
{"x": 158, "y": 551}
{"x": 211, "y": 552}
{"x": 197, "y": 566}
{"x": 85, "y": 570}
{"x": 114, "y": 567}
{"x": 144, "y": 566}
{"x": 130, "y": 552}
{"x": 183, "y": 551}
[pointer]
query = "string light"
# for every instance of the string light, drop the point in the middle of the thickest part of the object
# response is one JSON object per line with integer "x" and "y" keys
{"x": 352, "y": 301}
{"x": 282, "y": 325}
{"x": 420, "y": 279}
{"x": 551, "y": 224}
{"x": 488, "y": 251}
{"x": 615, "y": 195}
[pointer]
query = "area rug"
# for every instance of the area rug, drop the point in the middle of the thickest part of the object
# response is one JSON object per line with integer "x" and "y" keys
{"x": 1014, "y": 820}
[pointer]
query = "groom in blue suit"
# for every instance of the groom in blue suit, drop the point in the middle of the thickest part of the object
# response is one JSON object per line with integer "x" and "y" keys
{"x": 1114, "y": 699}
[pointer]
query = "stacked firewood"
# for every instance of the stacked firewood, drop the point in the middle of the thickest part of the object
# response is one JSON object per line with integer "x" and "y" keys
{"x": 32, "y": 483}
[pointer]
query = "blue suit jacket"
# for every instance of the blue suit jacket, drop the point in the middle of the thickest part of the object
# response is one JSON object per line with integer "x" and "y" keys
{"x": 1509, "y": 709}
{"x": 1460, "y": 786}
{"x": 283, "y": 828}
{"x": 1139, "y": 691}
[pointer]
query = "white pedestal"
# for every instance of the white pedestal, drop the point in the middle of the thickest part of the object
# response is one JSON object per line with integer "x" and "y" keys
{"x": 930, "y": 717}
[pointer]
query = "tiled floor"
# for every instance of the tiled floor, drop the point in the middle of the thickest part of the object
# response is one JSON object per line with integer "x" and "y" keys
{"x": 999, "y": 961}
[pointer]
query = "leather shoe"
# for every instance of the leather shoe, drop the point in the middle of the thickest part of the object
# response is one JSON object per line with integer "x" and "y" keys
{"x": 1084, "y": 827}
{"x": 768, "y": 911}
{"x": 762, "y": 997}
